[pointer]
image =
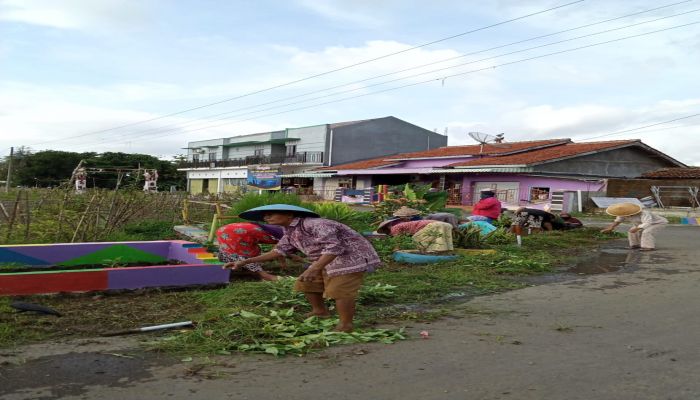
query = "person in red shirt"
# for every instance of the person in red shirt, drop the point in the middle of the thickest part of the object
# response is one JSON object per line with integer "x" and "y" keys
{"x": 488, "y": 208}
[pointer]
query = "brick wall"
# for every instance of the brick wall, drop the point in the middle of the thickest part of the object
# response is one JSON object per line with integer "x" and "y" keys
{"x": 641, "y": 188}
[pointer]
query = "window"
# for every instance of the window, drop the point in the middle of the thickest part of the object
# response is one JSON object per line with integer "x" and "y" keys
{"x": 212, "y": 156}
{"x": 259, "y": 152}
{"x": 195, "y": 157}
{"x": 539, "y": 194}
{"x": 291, "y": 150}
{"x": 345, "y": 183}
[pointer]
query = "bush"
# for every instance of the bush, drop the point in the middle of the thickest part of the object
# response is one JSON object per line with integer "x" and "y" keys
{"x": 145, "y": 230}
{"x": 340, "y": 212}
{"x": 252, "y": 200}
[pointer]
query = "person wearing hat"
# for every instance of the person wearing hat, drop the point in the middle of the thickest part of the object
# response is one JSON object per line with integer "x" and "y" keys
{"x": 403, "y": 214}
{"x": 644, "y": 224}
{"x": 429, "y": 236}
{"x": 488, "y": 208}
{"x": 339, "y": 257}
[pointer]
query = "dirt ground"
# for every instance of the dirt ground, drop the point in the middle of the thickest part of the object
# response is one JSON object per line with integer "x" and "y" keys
{"x": 627, "y": 331}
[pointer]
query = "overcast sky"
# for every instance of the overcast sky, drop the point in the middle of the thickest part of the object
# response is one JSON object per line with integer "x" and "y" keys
{"x": 72, "y": 68}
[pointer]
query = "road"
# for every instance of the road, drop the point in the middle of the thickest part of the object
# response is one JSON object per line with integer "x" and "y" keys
{"x": 627, "y": 334}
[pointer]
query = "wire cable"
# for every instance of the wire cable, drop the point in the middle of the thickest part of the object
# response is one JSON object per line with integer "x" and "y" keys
{"x": 322, "y": 73}
{"x": 208, "y": 117}
{"x": 643, "y": 127}
{"x": 438, "y": 79}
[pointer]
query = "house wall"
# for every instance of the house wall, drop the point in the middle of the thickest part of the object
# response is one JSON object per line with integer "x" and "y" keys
{"x": 525, "y": 183}
{"x": 628, "y": 162}
{"x": 313, "y": 138}
{"x": 218, "y": 150}
{"x": 379, "y": 137}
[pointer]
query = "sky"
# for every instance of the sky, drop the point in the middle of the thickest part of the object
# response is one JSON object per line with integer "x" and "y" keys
{"x": 101, "y": 75}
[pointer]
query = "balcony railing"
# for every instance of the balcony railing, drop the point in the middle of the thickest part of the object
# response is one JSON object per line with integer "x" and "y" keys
{"x": 308, "y": 157}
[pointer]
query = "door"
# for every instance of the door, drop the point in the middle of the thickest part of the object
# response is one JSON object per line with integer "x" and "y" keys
{"x": 506, "y": 192}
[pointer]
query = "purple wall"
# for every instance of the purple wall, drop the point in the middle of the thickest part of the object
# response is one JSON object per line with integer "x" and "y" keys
{"x": 166, "y": 275}
{"x": 526, "y": 182}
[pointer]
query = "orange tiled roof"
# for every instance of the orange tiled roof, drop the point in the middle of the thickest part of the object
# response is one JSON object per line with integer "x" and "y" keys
{"x": 475, "y": 149}
{"x": 545, "y": 154}
{"x": 674, "y": 173}
{"x": 450, "y": 151}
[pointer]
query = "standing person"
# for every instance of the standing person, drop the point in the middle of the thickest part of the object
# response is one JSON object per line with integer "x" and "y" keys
{"x": 644, "y": 224}
{"x": 339, "y": 257}
{"x": 488, "y": 208}
{"x": 240, "y": 240}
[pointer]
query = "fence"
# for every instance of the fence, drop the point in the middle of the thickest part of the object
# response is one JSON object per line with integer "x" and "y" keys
{"x": 60, "y": 215}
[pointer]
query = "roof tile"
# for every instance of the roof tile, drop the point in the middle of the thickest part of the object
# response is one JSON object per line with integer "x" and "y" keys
{"x": 545, "y": 154}
{"x": 674, "y": 173}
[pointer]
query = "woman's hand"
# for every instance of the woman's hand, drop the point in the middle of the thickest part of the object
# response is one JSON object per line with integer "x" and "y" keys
{"x": 235, "y": 265}
{"x": 634, "y": 229}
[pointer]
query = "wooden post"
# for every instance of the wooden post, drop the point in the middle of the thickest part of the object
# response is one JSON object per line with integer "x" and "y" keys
{"x": 9, "y": 170}
{"x": 212, "y": 230}
{"x": 13, "y": 217}
{"x": 27, "y": 216}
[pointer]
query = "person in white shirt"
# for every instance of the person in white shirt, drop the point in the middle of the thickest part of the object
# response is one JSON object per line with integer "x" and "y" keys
{"x": 644, "y": 224}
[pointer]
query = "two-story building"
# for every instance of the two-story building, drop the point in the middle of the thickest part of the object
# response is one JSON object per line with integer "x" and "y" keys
{"x": 227, "y": 164}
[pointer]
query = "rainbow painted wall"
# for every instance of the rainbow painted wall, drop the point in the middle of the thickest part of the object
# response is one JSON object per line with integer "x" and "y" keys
{"x": 195, "y": 266}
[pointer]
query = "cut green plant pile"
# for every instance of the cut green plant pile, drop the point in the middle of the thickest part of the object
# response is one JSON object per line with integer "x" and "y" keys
{"x": 271, "y": 320}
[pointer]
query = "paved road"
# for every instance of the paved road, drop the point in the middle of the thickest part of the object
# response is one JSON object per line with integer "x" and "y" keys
{"x": 629, "y": 334}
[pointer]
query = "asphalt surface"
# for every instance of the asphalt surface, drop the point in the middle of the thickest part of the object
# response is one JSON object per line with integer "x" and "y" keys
{"x": 619, "y": 325}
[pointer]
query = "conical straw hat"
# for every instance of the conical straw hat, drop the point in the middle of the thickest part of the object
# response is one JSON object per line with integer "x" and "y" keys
{"x": 623, "y": 209}
{"x": 406, "y": 212}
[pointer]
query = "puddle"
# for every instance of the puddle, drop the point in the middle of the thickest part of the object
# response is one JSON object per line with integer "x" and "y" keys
{"x": 607, "y": 260}
{"x": 68, "y": 374}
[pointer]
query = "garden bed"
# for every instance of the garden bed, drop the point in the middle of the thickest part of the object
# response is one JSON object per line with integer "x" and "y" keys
{"x": 83, "y": 267}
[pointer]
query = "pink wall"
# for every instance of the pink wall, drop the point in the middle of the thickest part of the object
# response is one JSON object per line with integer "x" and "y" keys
{"x": 526, "y": 182}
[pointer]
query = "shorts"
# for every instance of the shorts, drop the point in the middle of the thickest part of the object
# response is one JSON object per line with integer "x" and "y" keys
{"x": 340, "y": 287}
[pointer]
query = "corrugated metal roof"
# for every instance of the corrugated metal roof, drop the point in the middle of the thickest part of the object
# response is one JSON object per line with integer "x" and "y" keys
{"x": 307, "y": 175}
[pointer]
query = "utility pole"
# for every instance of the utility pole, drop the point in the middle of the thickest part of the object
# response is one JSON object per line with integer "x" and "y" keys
{"x": 9, "y": 170}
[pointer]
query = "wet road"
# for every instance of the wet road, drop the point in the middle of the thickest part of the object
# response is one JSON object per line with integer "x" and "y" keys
{"x": 629, "y": 331}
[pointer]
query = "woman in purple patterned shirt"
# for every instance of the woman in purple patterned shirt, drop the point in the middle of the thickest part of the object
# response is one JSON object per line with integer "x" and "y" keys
{"x": 339, "y": 257}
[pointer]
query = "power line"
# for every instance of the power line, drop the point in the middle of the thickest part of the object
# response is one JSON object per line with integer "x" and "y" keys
{"x": 439, "y": 79}
{"x": 322, "y": 73}
{"x": 643, "y": 127}
{"x": 207, "y": 118}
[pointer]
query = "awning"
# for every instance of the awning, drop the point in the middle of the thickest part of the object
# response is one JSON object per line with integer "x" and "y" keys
{"x": 302, "y": 175}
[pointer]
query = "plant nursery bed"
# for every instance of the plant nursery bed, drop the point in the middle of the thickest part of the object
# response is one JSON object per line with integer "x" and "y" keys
{"x": 100, "y": 266}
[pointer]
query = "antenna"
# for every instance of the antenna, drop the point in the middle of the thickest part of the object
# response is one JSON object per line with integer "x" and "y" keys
{"x": 484, "y": 138}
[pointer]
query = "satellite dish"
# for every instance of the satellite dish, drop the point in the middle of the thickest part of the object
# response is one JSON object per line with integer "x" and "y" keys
{"x": 484, "y": 138}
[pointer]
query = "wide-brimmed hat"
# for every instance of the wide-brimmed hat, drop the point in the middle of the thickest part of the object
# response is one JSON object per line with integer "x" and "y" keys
{"x": 257, "y": 213}
{"x": 623, "y": 209}
{"x": 386, "y": 225}
{"x": 406, "y": 212}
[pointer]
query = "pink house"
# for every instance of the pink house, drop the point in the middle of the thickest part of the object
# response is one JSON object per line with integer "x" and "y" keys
{"x": 528, "y": 173}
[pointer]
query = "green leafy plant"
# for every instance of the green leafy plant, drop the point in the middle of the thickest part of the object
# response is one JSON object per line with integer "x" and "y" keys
{"x": 340, "y": 212}
{"x": 469, "y": 237}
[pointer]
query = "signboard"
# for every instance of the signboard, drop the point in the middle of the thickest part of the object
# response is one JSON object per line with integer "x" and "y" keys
{"x": 264, "y": 178}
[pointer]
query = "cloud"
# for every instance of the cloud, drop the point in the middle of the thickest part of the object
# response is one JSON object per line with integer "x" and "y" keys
{"x": 595, "y": 122}
{"x": 342, "y": 11}
{"x": 75, "y": 14}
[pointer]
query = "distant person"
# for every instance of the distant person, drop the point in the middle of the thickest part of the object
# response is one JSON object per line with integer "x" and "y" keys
{"x": 444, "y": 217}
{"x": 644, "y": 224}
{"x": 488, "y": 208}
{"x": 570, "y": 222}
{"x": 535, "y": 219}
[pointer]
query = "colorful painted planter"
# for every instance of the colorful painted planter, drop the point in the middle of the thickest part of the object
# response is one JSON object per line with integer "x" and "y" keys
{"x": 195, "y": 266}
{"x": 410, "y": 257}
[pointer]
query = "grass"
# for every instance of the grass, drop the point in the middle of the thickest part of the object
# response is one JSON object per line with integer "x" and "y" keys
{"x": 268, "y": 317}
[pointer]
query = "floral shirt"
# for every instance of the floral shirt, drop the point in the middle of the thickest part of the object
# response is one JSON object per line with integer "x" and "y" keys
{"x": 318, "y": 236}
{"x": 410, "y": 227}
{"x": 242, "y": 239}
